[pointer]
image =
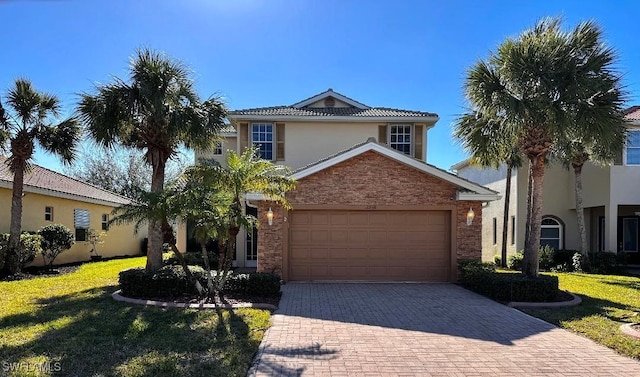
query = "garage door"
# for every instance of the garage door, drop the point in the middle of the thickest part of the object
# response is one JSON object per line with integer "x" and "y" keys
{"x": 369, "y": 245}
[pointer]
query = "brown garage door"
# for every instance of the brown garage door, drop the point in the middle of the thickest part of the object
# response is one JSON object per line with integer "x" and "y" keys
{"x": 369, "y": 245}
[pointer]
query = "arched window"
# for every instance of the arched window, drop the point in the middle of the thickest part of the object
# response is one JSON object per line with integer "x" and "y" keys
{"x": 551, "y": 232}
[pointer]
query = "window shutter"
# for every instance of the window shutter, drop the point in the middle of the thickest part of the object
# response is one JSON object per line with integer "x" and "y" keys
{"x": 244, "y": 137}
{"x": 417, "y": 145}
{"x": 279, "y": 141}
{"x": 382, "y": 134}
{"x": 81, "y": 218}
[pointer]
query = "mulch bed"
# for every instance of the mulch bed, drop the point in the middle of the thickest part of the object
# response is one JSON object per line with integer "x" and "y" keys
{"x": 229, "y": 298}
{"x": 37, "y": 272}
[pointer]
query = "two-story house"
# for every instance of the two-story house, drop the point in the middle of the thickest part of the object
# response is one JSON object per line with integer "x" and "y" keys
{"x": 611, "y": 198}
{"x": 367, "y": 205}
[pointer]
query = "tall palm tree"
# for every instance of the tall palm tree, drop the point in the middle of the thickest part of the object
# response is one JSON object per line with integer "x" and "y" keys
{"x": 27, "y": 120}
{"x": 575, "y": 153}
{"x": 470, "y": 130}
{"x": 156, "y": 111}
{"x": 547, "y": 84}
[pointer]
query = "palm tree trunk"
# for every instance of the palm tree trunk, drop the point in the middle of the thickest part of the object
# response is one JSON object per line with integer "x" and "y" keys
{"x": 12, "y": 259}
{"x": 530, "y": 265}
{"x": 527, "y": 228}
{"x": 154, "y": 251}
{"x": 577, "y": 169}
{"x": 505, "y": 218}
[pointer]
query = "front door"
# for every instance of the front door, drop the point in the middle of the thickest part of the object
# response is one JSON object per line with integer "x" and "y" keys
{"x": 630, "y": 234}
{"x": 251, "y": 244}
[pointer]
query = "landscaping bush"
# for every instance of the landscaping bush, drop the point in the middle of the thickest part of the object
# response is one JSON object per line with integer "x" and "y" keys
{"x": 193, "y": 259}
{"x": 509, "y": 286}
{"x": 167, "y": 282}
{"x": 607, "y": 263}
{"x": 56, "y": 238}
{"x": 546, "y": 257}
{"x": 262, "y": 284}
{"x": 28, "y": 248}
{"x": 497, "y": 260}
{"x": 514, "y": 262}
{"x": 563, "y": 256}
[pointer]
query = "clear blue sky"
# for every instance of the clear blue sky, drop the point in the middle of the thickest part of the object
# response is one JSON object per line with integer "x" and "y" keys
{"x": 403, "y": 54}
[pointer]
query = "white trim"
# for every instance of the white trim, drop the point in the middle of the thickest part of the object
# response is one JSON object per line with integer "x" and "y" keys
{"x": 273, "y": 137}
{"x": 480, "y": 192}
{"x": 330, "y": 93}
{"x": 353, "y": 119}
{"x": 412, "y": 136}
{"x": 460, "y": 165}
{"x": 63, "y": 195}
{"x": 626, "y": 146}
{"x": 472, "y": 196}
{"x": 559, "y": 225}
{"x": 229, "y": 134}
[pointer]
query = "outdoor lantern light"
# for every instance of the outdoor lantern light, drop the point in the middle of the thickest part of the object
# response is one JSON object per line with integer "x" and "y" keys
{"x": 470, "y": 216}
{"x": 270, "y": 216}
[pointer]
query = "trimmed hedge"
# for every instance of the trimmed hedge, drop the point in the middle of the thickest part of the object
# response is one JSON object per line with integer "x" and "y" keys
{"x": 481, "y": 278}
{"x": 171, "y": 282}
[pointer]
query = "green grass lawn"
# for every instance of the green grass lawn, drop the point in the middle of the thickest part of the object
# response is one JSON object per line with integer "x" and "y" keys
{"x": 72, "y": 323}
{"x": 607, "y": 302}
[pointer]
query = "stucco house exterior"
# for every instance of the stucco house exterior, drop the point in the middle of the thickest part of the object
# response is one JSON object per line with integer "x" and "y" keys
{"x": 610, "y": 192}
{"x": 367, "y": 205}
{"x": 53, "y": 198}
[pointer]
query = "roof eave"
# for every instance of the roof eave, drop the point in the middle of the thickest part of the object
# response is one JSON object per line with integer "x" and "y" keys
{"x": 428, "y": 119}
{"x": 472, "y": 196}
{"x": 62, "y": 195}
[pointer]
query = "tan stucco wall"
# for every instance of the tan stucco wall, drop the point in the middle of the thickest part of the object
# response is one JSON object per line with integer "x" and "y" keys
{"x": 338, "y": 103}
{"x": 495, "y": 179}
{"x": 227, "y": 143}
{"x": 119, "y": 240}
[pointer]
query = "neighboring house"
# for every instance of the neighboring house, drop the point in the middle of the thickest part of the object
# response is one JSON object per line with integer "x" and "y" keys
{"x": 362, "y": 209}
{"x": 53, "y": 198}
{"x": 610, "y": 192}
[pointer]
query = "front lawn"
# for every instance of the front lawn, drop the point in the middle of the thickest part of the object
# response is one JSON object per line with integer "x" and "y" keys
{"x": 607, "y": 302}
{"x": 70, "y": 325}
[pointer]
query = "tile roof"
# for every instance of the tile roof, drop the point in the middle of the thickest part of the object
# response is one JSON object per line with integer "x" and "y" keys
{"x": 632, "y": 113}
{"x": 60, "y": 185}
{"x": 332, "y": 112}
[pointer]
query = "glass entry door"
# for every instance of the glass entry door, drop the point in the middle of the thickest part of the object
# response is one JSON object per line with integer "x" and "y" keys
{"x": 630, "y": 234}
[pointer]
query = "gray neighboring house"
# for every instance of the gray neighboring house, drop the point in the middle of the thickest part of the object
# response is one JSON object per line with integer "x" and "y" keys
{"x": 611, "y": 201}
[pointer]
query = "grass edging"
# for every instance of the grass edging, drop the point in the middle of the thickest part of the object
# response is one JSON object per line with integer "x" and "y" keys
{"x": 559, "y": 304}
{"x": 184, "y": 305}
{"x": 627, "y": 329}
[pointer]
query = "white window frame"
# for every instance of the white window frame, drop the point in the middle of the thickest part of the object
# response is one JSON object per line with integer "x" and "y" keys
{"x": 217, "y": 148}
{"x": 624, "y": 157}
{"x": 273, "y": 138}
{"x": 105, "y": 221}
{"x": 411, "y": 136}
{"x": 48, "y": 211}
{"x": 559, "y": 225}
{"x": 78, "y": 224}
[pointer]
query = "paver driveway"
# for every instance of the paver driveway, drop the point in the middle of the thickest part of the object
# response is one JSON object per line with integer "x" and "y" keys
{"x": 350, "y": 329}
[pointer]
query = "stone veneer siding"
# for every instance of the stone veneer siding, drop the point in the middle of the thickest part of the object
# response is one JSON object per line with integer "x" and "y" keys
{"x": 369, "y": 179}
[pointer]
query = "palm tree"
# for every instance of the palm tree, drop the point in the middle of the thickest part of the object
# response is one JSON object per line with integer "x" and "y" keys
{"x": 546, "y": 85}
{"x": 575, "y": 153}
{"x": 157, "y": 111}
{"x": 244, "y": 173}
{"x": 470, "y": 130}
{"x": 28, "y": 121}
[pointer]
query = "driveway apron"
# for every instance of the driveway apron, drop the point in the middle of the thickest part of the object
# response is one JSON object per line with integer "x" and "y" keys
{"x": 395, "y": 329}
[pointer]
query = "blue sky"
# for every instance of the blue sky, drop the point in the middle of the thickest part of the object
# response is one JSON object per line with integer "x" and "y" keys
{"x": 403, "y": 54}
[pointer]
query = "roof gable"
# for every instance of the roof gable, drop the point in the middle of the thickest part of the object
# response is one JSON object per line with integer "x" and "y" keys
{"x": 470, "y": 190}
{"x": 318, "y": 99}
{"x": 43, "y": 181}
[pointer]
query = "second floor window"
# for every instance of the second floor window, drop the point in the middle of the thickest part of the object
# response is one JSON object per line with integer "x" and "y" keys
{"x": 400, "y": 138}
{"x": 633, "y": 148}
{"x": 262, "y": 138}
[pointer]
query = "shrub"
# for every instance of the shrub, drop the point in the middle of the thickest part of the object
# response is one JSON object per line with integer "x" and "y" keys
{"x": 262, "y": 284}
{"x": 29, "y": 247}
{"x": 510, "y": 286}
{"x": 515, "y": 261}
{"x": 546, "y": 257}
{"x": 497, "y": 260}
{"x": 56, "y": 238}
{"x": 193, "y": 259}
{"x": 167, "y": 282}
{"x": 607, "y": 263}
{"x": 577, "y": 261}
{"x": 563, "y": 256}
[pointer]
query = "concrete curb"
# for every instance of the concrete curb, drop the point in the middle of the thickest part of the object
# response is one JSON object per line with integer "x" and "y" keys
{"x": 628, "y": 330}
{"x": 184, "y": 305}
{"x": 562, "y": 304}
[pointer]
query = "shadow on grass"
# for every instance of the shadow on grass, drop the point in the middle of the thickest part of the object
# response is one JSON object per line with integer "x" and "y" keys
{"x": 89, "y": 333}
{"x": 626, "y": 284}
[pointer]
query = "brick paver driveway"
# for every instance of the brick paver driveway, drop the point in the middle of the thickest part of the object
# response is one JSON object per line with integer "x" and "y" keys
{"x": 349, "y": 329}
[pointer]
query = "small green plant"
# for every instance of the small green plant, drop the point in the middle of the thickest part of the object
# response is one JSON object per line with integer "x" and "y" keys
{"x": 578, "y": 262}
{"x": 56, "y": 238}
{"x": 95, "y": 238}
{"x": 497, "y": 260}
{"x": 515, "y": 261}
{"x": 28, "y": 249}
{"x": 546, "y": 257}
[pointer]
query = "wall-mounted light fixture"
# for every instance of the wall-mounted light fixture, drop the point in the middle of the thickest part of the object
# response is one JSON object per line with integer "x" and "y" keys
{"x": 270, "y": 216}
{"x": 470, "y": 216}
